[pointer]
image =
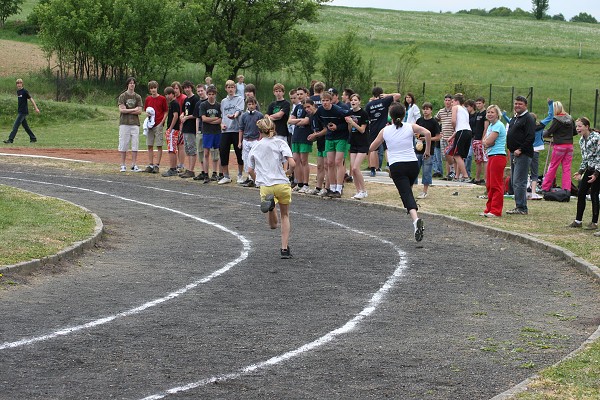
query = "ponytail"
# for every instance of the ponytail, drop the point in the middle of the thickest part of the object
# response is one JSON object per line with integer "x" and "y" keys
{"x": 397, "y": 112}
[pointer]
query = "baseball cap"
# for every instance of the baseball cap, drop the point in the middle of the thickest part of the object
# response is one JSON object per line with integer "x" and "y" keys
{"x": 332, "y": 91}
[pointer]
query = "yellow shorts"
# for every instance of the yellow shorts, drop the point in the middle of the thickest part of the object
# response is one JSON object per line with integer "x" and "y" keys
{"x": 282, "y": 193}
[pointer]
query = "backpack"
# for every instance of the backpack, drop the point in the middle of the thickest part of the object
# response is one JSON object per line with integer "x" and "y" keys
{"x": 560, "y": 195}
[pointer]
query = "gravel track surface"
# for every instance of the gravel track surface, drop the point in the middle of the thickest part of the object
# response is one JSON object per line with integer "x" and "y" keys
{"x": 463, "y": 315}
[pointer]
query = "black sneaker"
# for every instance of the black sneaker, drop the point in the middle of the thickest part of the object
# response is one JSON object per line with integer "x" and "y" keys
{"x": 419, "y": 228}
{"x": 285, "y": 253}
{"x": 32, "y": 140}
{"x": 268, "y": 204}
{"x": 214, "y": 177}
{"x": 249, "y": 184}
{"x": 170, "y": 172}
{"x": 335, "y": 195}
{"x": 7, "y": 141}
{"x": 155, "y": 169}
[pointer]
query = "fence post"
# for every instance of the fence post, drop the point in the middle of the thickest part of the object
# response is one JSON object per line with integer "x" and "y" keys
{"x": 490, "y": 98}
{"x": 596, "y": 108}
{"x": 570, "y": 99}
{"x": 531, "y": 101}
{"x": 57, "y": 85}
{"x": 423, "y": 90}
{"x": 512, "y": 96}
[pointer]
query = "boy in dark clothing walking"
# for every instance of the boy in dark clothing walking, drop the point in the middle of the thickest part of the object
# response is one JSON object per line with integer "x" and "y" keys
{"x": 22, "y": 112}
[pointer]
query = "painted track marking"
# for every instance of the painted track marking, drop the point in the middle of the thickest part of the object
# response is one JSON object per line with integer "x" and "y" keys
{"x": 133, "y": 311}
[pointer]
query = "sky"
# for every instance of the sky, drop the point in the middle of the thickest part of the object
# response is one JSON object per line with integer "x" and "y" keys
{"x": 566, "y": 8}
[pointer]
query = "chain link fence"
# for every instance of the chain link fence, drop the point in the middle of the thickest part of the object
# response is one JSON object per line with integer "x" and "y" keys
{"x": 576, "y": 103}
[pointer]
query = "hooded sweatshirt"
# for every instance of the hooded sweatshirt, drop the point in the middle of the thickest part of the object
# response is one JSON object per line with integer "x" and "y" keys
{"x": 562, "y": 129}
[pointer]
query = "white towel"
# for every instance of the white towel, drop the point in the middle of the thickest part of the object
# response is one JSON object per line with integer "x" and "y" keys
{"x": 149, "y": 122}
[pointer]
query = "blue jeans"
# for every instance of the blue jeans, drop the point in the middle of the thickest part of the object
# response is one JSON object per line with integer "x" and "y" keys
{"x": 427, "y": 165}
{"x": 438, "y": 166}
{"x": 519, "y": 172}
{"x": 469, "y": 160}
{"x": 21, "y": 120}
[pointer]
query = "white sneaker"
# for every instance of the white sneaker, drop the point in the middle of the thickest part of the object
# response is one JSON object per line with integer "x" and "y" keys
{"x": 359, "y": 195}
{"x": 240, "y": 179}
{"x": 296, "y": 188}
{"x": 312, "y": 191}
{"x": 135, "y": 168}
{"x": 322, "y": 193}
{"x": 365, "y": 194}
{"x": 304, "y": 190}
{"x": 422, "y": 195}
{"x": 123, "y": 168}
{"x": 224, "y": 180}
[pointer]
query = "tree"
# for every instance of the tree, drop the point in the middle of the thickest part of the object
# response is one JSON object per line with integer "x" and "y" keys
{"x": 558, "y": 17}
{"x": 106, "y": 39}
{"x": 342, "y": 61}
{"x": 540, "y": 7}
{"x": 240, "y": 34}
{"x": 408, "y": 61}
{"x": 584, "y": 17}
{"x": 8, "y": 8}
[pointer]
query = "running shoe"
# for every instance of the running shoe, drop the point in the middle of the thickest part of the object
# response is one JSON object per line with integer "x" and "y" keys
{"x": 419, "y": 228}
{"x": 268, "y": 204}
{"x": 285, "y": 253}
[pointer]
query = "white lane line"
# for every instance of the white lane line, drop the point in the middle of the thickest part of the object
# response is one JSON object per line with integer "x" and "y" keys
{"x": 133, "y": 311}
{"x": 46, "y": 157}
{"x": 376, "y": 299}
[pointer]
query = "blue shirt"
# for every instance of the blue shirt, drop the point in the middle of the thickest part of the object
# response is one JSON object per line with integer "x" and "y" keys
{"x": 499, "y": 147}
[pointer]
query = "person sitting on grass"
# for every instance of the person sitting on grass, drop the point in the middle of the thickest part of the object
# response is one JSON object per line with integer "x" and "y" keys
{"x": 265, "y": 166}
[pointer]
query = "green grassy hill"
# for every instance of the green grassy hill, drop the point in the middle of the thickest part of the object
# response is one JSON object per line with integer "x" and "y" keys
{"x": 471, "y": 52}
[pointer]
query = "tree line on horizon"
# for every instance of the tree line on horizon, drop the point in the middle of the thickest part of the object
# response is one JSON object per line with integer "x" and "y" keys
{"x": 538, "y": 11}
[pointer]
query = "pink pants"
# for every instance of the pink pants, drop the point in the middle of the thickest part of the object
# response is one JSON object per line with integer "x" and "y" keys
{"x": 562, "y": 154}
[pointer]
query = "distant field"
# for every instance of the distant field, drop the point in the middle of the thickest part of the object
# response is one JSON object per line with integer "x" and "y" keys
{"x": 458, "y": 52}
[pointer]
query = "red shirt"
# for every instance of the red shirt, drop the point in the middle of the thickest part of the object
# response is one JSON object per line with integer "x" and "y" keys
{"x": 159, "y": 103}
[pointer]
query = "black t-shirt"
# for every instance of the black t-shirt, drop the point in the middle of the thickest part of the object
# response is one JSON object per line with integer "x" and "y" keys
{"x": 281, "y": 127}
{"x": 197, "y": 110}
{"x": 189, "y": 104}
{"x": 173, "y": 108}
{"x": 335, "y": 115}
{"x": 480, "y": 118}
{"x": 23, "y": 96}
{"x": 316, "y": 99}
{"x": 210, "y": 110}
{"x": 432, "y": 126}
{"x": 301, "y": 132}
{"x": 356, "y": 138}
{"x": 378, "y": 114}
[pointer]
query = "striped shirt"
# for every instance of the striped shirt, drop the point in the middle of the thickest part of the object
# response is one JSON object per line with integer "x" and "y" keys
{"x": 444, "y": 117}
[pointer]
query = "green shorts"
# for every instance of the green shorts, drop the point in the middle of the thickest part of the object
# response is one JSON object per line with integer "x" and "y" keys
{"x": 338, "y": 146}
{"x": 321, "y": 154}
{"x": 301, "y": 148}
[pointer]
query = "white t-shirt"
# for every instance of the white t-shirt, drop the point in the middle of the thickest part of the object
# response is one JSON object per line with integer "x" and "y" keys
{"x": 266, "y": 158}
{"x": 399, "y": 143}
{"x": 462, "y": 120}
